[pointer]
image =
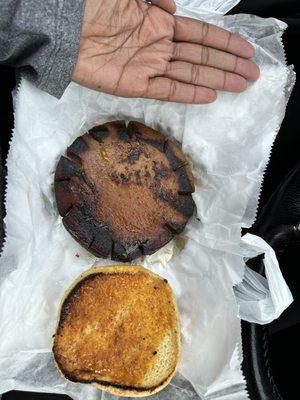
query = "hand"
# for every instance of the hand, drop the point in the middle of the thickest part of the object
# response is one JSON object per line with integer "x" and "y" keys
{"x": 132, "y": 49}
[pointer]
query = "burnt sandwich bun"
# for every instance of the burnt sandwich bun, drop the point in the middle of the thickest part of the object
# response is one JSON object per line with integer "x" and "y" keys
{"x": 124, "y": 191}
{"x": 118, "y": 329}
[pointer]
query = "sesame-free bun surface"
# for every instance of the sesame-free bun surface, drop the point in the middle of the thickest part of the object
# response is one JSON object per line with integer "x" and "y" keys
{"x": 118, "y": 329}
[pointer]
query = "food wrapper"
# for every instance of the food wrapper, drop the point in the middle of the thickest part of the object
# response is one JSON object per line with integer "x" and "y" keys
{"x": 228, "y": 144}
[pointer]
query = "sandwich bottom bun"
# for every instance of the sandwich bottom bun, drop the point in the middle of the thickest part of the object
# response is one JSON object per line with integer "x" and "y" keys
{"x": 118, "y": 329}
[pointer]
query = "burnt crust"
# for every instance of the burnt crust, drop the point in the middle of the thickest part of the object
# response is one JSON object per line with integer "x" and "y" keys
{"x": 147, "y": 135}
{"x": 99, "y": 132}
{"x": 66, "y": 169}
{"x": 77, "y": 148}
{"x": 71, "y": 295}
{"x": 86, "y": 284}
{"x": 100, "y": 382}
{"x": 124, "y": 191}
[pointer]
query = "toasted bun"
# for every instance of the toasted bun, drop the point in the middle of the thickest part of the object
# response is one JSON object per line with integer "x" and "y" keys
{"x": 118, "y": 329}
{"x": 124, "y": 191}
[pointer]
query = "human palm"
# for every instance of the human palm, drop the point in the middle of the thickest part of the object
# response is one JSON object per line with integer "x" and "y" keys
{"x": 133, "y": 49}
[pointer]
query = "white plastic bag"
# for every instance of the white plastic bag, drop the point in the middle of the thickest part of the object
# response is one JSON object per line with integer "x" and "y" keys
{"x": 260, "y": 299}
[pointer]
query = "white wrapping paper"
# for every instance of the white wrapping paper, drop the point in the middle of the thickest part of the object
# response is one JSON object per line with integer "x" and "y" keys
{"x": 228, "y": 144}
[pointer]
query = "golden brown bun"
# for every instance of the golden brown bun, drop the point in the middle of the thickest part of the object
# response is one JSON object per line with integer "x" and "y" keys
{"x": 124, "y": 191}
{"x": 118, "y": 329}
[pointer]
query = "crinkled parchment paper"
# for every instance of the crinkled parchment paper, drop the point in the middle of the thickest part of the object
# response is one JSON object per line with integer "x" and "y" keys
{"x": 228, "y": 144}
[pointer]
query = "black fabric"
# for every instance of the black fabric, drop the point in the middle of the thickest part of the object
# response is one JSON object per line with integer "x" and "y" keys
{"x": 7, "y": 83}
{"x": 285, "y": 154}
{"x": 271, "y": 352}
{"x": 279, "y": 224}
{"x": 268, "y": 8}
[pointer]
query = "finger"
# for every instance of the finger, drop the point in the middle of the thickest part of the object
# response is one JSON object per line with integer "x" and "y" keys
{"x": 167, "y": 5}
{"x": 170, "y": 90}
{"x": 193, "y": 31}
{"x": 197, "y": 54}
{"x": 205, "y": 76}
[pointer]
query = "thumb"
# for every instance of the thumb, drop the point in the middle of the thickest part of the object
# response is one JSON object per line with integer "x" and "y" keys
{"x": 167, "y": 5}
